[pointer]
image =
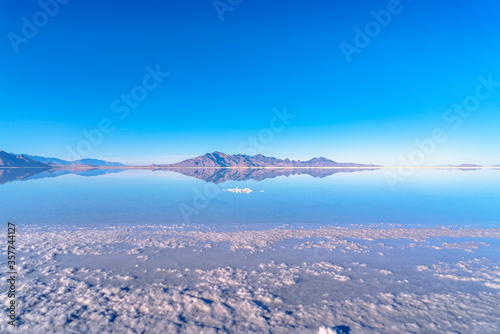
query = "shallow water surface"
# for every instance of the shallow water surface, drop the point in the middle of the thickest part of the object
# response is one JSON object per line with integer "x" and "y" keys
{"x": 350, "y": 199}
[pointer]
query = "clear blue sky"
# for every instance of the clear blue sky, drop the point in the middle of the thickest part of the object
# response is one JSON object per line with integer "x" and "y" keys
{"x": 226, "y": 77}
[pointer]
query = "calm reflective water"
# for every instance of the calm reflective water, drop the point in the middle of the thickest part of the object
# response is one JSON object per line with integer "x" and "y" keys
{"x": 141, "y": 197}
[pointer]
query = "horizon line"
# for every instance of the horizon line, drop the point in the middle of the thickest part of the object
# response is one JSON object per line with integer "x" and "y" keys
{"x": 76, "y": 167}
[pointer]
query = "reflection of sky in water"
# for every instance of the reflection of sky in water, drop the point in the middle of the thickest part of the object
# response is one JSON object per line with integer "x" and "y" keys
{"x": 430, "y": 197}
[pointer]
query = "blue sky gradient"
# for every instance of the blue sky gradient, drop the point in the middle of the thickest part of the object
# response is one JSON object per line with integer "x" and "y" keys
{"x": 227, "y": 76}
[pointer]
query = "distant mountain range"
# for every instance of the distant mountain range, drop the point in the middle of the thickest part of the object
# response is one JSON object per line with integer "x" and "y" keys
{"x": 10, "y": 160}
{"x": 214, "y": 160}
{"x": 219, "y": 159}
{"x": 35, "y": 161}
{"x": 60, "y": 162}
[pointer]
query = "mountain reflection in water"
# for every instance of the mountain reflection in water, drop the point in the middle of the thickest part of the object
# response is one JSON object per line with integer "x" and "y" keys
{"x": 213, "y": 175}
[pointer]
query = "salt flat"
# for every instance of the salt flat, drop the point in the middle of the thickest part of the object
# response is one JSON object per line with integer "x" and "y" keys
{"x": 330, "y": 280}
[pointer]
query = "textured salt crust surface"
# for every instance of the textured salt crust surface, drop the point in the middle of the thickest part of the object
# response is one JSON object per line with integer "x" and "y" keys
{"x": 331, "y": 280}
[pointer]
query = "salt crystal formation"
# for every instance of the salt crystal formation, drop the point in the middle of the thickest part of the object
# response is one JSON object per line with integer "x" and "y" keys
{"x": 159, "y": 279}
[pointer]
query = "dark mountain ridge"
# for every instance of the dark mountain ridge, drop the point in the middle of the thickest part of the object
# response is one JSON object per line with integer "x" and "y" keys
{"x": 219, "y": 159}
{"x": 61, "y": 162}
{"x": 10, "y": 160}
